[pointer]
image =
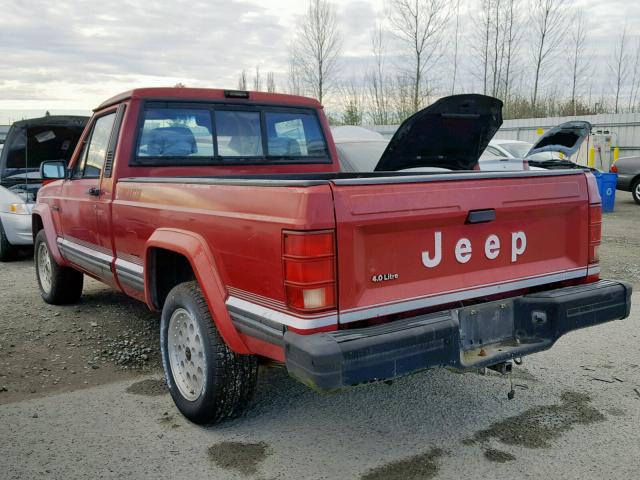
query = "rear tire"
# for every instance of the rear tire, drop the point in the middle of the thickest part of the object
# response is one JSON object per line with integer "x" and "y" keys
{"x": 7, "y": 251}
{"x": 58, "y": 285}
{"x": 635, "y": 191}
{"x": 207, "y": 380}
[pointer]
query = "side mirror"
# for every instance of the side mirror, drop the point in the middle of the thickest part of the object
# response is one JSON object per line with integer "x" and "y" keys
{"x": 53, "y": 170}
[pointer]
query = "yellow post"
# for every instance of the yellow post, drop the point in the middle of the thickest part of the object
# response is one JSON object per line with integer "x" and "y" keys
{"x": 616, "y": 154}
{"x": 592, "y": 157}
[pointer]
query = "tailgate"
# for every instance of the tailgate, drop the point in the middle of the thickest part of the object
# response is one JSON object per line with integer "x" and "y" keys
{"x": 445, "y": 238}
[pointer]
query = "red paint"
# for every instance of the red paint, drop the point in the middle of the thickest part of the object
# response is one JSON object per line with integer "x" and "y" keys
{"x": 373, "y": 236}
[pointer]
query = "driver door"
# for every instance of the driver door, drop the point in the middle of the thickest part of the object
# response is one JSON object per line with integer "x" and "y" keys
{"x": 79, "y": 204}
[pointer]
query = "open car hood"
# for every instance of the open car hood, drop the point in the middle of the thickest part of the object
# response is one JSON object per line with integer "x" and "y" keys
{"x": 566, "y": 138}
{"x": 452, "y": 133}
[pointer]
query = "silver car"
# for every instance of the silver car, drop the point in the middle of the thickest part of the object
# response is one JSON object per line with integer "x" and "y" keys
{"x": 628, "y": 170}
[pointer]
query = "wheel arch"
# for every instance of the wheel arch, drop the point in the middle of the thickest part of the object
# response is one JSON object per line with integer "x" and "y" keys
{"x": 41, "y": 219}
{"x": 168, "y": 247}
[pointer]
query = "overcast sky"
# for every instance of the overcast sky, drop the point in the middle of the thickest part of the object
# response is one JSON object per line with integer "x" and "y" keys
{"x": 70, "y": 55}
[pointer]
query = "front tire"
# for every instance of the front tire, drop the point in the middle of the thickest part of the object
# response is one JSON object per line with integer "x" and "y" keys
{"x": 7, "y": 251}
{"x": 58, "y": 285}
{"x": 635, "y": 191}
{"x": 207, "y": 381}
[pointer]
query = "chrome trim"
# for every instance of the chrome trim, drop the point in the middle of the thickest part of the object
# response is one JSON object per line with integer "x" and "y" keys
{"x": 93, "y": 261}
{"x": 255, "y": 298}
{"x": 235, "y": 304}
{"x": 130, "y": 274}
{"x": 269, "y": 314}
{"x": 355, "y": 315}
{"x": 82, "y": 250}
{"x": 134, "y": 268}
{"x": 593, "y": 270}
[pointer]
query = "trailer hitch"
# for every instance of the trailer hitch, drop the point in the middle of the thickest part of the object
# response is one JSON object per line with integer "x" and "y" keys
{"x": 506, "y": 368}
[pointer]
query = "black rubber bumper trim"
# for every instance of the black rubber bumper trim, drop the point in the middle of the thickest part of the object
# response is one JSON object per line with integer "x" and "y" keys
{"x": 329, "y": 361}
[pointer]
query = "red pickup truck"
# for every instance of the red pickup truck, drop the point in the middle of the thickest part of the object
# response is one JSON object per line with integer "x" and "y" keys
{"x": 226, "y": 211}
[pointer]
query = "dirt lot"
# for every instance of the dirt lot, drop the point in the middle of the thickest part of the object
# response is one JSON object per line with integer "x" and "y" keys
{"x": 66, "y": 365}
{"x": 46, "y": 349}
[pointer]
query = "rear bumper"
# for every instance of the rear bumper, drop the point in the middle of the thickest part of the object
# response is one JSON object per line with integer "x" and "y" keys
{"x": 624, "y": 182}
{"x": 517, "y": 327}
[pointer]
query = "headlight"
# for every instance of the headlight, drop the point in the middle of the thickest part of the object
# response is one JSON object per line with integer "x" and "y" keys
{"x": 19, "y": 208}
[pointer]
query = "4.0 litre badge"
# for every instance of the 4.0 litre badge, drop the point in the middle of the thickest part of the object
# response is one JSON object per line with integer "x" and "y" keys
{"x": 384, "y": 277}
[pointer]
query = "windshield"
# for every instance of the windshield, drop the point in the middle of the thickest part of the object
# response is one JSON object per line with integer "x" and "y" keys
{"x": 520, "y": 150}
{"x": 516, "y": 149}
{"x": 360, "y": 156}
{"x": 544, "y": 156}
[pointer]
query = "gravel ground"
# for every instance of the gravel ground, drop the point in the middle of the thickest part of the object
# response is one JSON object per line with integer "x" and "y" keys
{"x": 81, "y": 397}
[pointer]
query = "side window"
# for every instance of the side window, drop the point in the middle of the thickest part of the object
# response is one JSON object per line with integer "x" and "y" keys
{"x": 82, "y": 158}
{"x": 96, "y": 148}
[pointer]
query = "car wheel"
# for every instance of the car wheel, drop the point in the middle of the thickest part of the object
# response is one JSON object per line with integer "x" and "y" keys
{"x": 635, "y": 191}
{"x": 7, "y": 251}
{"x": 207, "y": 381}
{"x": 58, "y": 285}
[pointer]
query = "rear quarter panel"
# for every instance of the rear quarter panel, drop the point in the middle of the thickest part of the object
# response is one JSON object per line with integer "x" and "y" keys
{"x": 241, "y": 224}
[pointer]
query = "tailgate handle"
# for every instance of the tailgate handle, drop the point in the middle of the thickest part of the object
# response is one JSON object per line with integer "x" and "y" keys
{"x": 481, "y": 216}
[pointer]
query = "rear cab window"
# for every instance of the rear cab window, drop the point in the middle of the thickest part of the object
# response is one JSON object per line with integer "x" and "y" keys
{"x": 221, "y": 134}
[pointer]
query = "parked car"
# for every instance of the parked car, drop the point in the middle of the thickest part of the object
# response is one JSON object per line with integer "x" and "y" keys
{"x": 29, "y": 143}
{"x": 628, "y": 170}
{"x": 549, "y": 151}
{"x": 227, "y": 212}
{"x": 359, "y": 150}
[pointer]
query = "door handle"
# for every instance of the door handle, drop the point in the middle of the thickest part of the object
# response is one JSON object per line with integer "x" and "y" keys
{"x": 55, "y": 207}
{"x": 94, "y": 191}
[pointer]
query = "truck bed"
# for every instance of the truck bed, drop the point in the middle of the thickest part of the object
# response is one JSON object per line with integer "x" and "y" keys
{"x": 383, "y": 222}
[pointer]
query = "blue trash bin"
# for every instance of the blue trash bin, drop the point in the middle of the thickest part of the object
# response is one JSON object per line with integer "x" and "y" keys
{"x": 607, "y": 187}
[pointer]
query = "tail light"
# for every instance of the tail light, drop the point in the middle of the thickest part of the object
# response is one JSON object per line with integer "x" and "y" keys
{"x": 595, "y": 232}
{"x": 309, "y": 269}
{"x": 613, "y": 168}
{"x": 595, "y": 222}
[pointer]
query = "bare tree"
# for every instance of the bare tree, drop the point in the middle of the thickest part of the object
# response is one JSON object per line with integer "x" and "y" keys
{"x": 377, "y": 80}
{"x": 619, "y": 66}
{"x": 257, "y": 80}
{"x": 242, "y": 81}
{"x": 271, "y": 82}
{"x": 456, "y": 37}
{"x": 353, "y": 100}
{"x": 293, "y": 76}
{"x": 497, "y": 43}
{"x": 635, "y": 80}
{"x": 402, "y": 100}
{"x": 317, "y": 47}
{"x": 419, "y": 24}
{"x": 511, "y": 38}
{"x": 484, "y": 31}
{"x": 547, "y": 21}
{"x": 579, "y": 64}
